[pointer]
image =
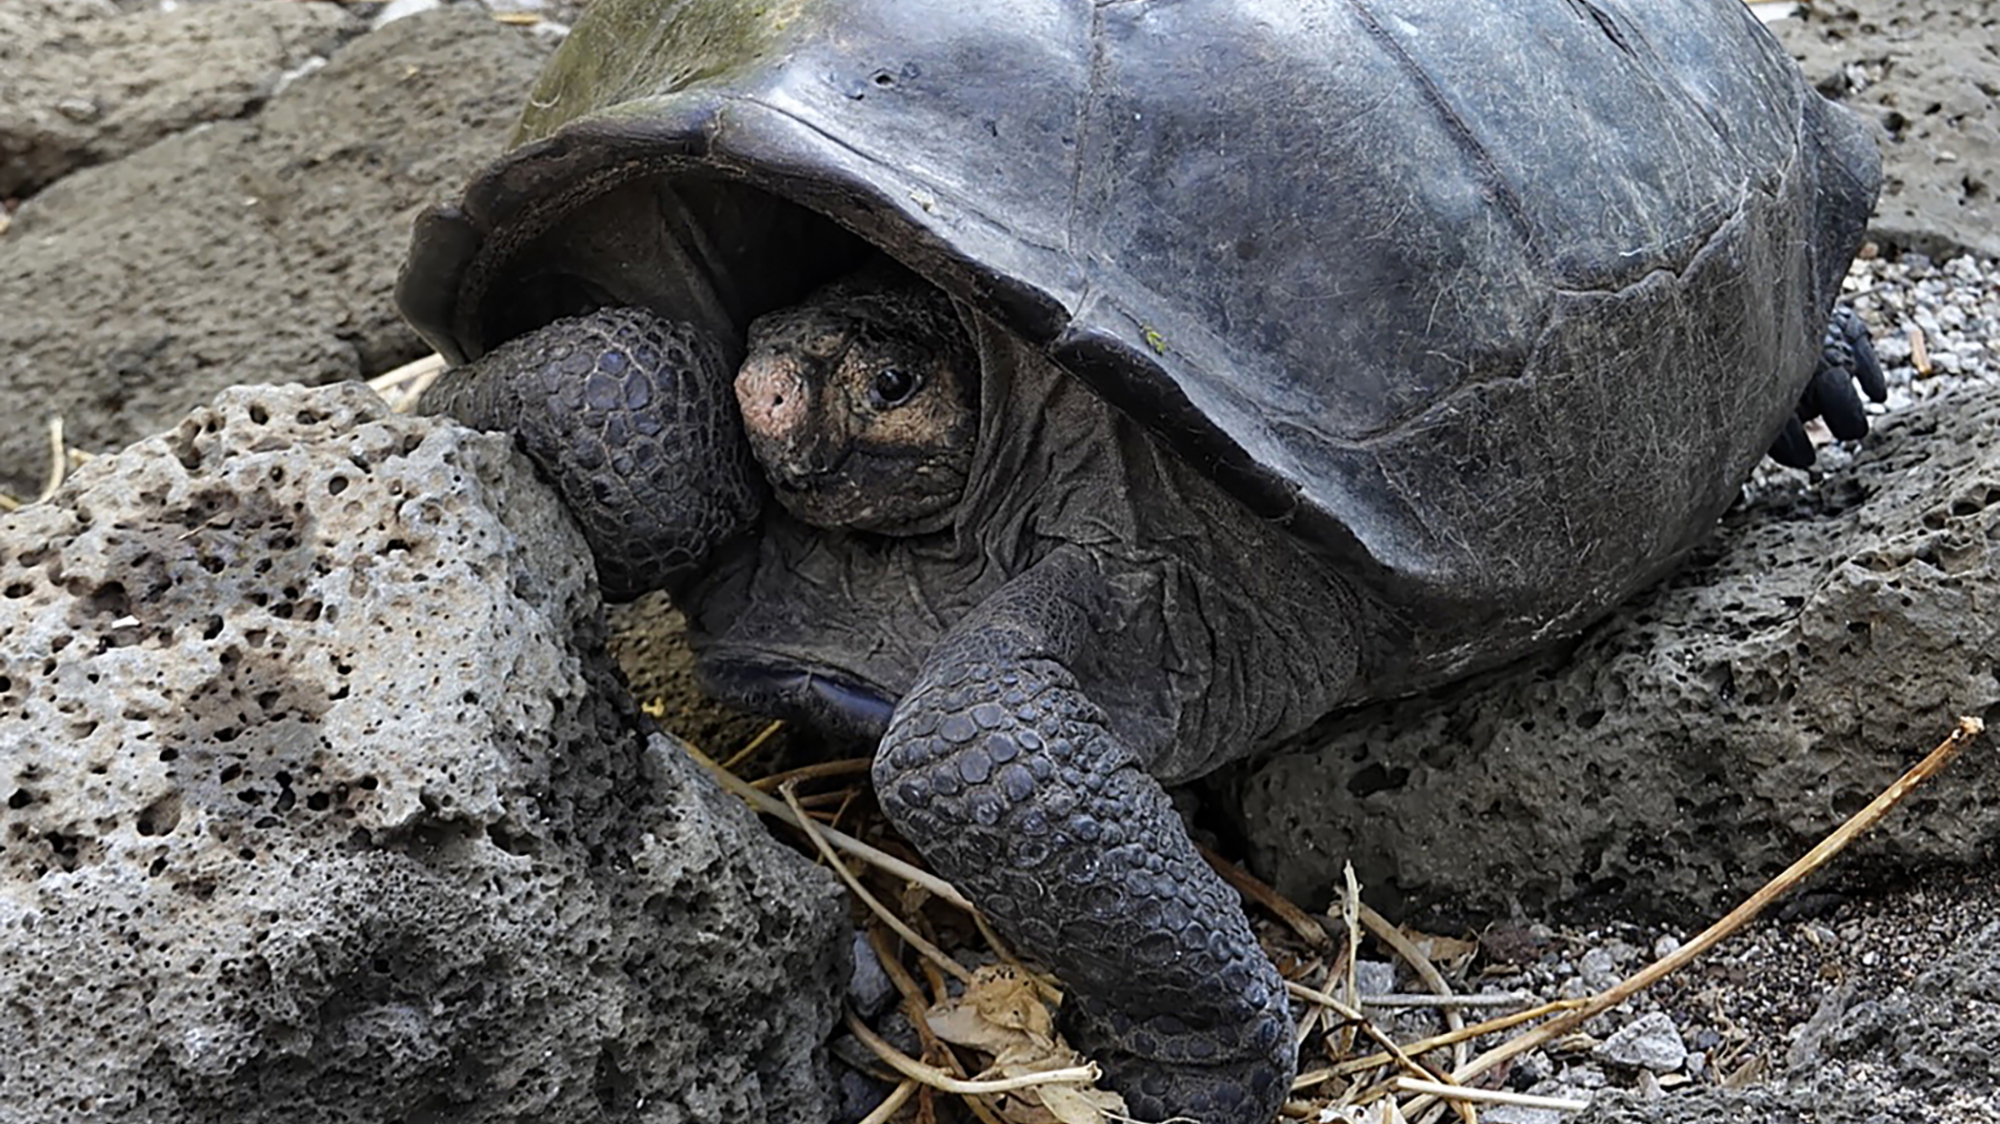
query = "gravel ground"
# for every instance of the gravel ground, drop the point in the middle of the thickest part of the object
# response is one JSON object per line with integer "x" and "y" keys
{"x": 1835, "y": 1007}
{"x": 1936, "y": 327}
{"x": 1952, "y": 307}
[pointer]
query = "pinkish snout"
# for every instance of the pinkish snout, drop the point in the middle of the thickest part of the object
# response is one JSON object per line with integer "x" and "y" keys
{"x": 772, "y": 397}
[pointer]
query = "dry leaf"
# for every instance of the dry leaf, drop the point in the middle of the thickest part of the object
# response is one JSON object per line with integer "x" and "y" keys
{"x": 1747, "y": 1075}
{"x": 1006, "y": 996}
{"x": 1446, "y": 952}
{"x": 912, "y": 899}
{"x": 1002, "y": 1014}
{"x": 1074, "y": 1104}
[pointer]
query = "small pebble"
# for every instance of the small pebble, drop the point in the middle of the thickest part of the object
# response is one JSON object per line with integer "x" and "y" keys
{"x": 1532, "y": 1069}
{"x": 1583, "y": 1077}
{"x": 1375, "y": 977}
{"x": 1599, "y": 968}
{"x": 869, "y": 988}
{"x": 1650, "y": 1042}
{"x": 80, "y": 109}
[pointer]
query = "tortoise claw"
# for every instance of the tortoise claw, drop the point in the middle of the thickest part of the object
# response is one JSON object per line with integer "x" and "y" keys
{"x": 1847, "y": 360}
{"x": 1848, "y": 347}
{"x": 1793, "y": 448}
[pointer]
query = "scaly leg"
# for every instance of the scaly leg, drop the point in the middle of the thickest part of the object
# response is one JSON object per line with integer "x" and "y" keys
{"x": 1004, "y": 774}
{"x": 633, "y": 419}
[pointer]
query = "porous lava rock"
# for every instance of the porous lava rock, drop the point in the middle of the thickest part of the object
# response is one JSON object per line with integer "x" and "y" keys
{"x": 81, "y": 82}
{"x": 319, "y": 802}
{"x": 1708, "y": 733}
{"x": 261, "y": 248}
{"x": 1927, "y": 72}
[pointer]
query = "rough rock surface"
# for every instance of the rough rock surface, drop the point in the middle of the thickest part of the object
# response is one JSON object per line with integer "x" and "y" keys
{"x": 1927, "y": 72}
{"x": 262, "y": 248}
{"x": 1941, "y": 1029}
{"x": 80, "y": 83}
{"x": 1707, "y": 734}
{"x": 1764, "y": 1106}
{"x": 1924, "y": 1047}
{"x": 318, "y": 802}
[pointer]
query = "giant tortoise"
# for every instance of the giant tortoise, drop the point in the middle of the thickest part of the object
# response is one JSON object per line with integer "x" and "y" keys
{"x": 1075, "y": 396}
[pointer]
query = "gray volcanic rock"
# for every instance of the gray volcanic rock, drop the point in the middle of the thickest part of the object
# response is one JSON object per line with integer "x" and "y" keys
{"x": 319, "y": 801}
{"x": 80, "y": 83}
{"x": 1928, "y": 73}
{"x": 1707, "y": 734}
{"x": 258, "y": 248}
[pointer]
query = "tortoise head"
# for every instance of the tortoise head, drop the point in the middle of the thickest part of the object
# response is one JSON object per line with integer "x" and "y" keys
{"x": 861, "y": 402}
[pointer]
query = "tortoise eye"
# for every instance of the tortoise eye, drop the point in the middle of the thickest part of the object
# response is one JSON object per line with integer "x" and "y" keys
{"x": 892, "y": 387}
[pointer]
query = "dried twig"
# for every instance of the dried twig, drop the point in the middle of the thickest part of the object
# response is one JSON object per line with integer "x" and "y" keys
{"x": 58, "y": 459}
{"x": 402, "y": 387}
{"x": 914, "y": 1007}
{"x": 1250, "y": 886}
{"x": 1399, "y": 1000}
{"x": 904, "y": 983}
{"x": 1350, "y": 923}
{"x": 1359, "y": 1021}
{"x": 1488, "y": 1096}
{"x": 1426, "y": 971}
{"x": 820, "y": 770}
{"x": 1426, "y": 1045}
{"x": 815, "y": 833}
{"x": 776, "y": 809}
{"x": 892, "y": 1103}
{"x": 938, "y": 1079}
{"x": 749, "y": 750}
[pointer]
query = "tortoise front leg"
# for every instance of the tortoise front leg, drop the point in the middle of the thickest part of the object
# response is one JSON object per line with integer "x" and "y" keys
{"x": 632, "y": 419}
{"x": 1004, "y": 774}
